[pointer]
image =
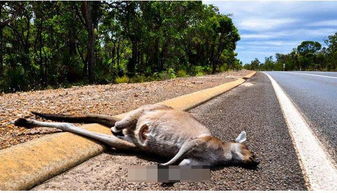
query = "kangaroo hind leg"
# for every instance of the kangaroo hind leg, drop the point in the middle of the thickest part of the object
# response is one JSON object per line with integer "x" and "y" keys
{"x": 131, "y": 118}
{"x": 110, "y": 140}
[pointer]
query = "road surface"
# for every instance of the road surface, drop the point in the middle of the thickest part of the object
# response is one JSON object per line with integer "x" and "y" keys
{"x": 252, "y": 107}
{"x": 315, "y": 95}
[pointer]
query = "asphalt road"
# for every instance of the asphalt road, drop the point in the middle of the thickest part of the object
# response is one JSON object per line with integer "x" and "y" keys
{"x": 252, "y": 107}
{"x": 331, "y": 74}
{"x": 315, "y": 95}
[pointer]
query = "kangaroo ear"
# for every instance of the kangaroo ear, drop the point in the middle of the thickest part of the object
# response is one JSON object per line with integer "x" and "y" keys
{"x": 241, "y": 138}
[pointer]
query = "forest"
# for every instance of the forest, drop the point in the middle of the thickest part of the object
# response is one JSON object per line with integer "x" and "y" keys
{"x": 309, "y": 55}
{"x": 60, "y": 44}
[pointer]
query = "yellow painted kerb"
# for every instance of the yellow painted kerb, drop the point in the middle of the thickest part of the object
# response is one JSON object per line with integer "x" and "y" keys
{"x": 26, "y": 165}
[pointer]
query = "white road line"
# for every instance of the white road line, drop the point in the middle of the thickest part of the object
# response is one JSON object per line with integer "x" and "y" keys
{"x": 308, "y": 74}
{"x": 315, "y": 162}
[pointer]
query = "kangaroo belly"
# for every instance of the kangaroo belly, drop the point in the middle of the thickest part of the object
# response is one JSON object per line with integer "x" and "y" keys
{"x": 163, "y": 132}
{"x": 164, "y": 144}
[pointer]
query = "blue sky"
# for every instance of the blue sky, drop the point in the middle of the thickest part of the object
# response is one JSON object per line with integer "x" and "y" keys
{"x": 269, "y": 27}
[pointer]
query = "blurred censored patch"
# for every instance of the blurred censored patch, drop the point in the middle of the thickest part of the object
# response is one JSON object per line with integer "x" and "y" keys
{"x": 168, "y": 174}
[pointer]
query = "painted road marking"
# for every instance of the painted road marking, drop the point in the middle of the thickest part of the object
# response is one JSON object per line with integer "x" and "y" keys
{"x": 316, "y": 164}
{"x": 308, "y": 74}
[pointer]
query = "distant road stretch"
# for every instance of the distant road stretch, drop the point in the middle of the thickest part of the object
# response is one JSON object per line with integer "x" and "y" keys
{"x": 315, "y": 95}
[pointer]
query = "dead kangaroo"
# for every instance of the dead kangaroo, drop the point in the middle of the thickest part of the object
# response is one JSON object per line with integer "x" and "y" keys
{"x": 160, "y": 130}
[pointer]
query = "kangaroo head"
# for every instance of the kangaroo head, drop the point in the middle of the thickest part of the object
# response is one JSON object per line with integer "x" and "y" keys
{"x": 247, "y": 158}
{"x": 238, "y": 152}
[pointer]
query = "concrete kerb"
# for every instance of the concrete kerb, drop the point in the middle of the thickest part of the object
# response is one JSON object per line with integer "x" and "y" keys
{"x": 28, "y": 164}
{"x": 248, "y": 76}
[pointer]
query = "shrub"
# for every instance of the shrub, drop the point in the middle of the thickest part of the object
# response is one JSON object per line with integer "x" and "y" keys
{"x": 223, "y": 68}
{"x": 181, "y": 73}
{"x": 139, "y": 78}
{"x": 163, "y": 76}
{"x": 171, "y": 73}
{"x": 123, "y": 79}
{"x": 200, "y": 70}
{"x": 200, "y": 73}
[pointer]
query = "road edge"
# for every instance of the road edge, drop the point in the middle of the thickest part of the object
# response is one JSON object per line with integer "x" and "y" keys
{"x": 28, "y": 164}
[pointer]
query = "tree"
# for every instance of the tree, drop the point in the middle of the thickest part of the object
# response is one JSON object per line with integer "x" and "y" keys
{"x": 45, "y": 44}
{"x": 254, "y": 64}
{"x": 331, "y": 52}
{"x": 308, "y": 47}
{"x": 90, "y": 22}
{"x": 8, "y": 13}
{"x": 268, "y": 64}
{"x": 307, "y": 51}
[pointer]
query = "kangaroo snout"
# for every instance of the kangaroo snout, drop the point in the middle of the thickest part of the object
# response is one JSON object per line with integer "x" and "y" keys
{"x": 252, "y": 162}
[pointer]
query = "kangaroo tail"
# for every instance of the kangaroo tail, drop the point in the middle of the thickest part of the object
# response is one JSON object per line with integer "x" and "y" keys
{"x": 105, "y": 120}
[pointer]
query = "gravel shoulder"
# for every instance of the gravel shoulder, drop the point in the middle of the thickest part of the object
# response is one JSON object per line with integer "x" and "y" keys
{"x": 252, "y": 107}
{"x": 108, "y": 99}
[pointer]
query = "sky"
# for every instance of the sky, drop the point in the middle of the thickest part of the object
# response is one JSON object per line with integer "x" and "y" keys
{"x": 269, "y": 27}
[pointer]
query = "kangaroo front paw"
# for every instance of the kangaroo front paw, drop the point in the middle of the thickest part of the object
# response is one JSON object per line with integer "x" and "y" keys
{"x": 115, "y": 130}
{"x": 118, "y": 127}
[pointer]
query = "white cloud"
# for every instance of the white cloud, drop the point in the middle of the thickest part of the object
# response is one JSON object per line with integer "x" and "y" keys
{"x": 262, "y": 48}
{"x": 328, "y": 23}
{"x": 263, "y": 24}
{"x": 300, "y": 33}
{"x": 263, "y": 35}
{"x": 264, "y": 53}
{"x": 255, "y": 36}
{"x": 323, "y": 32}
{"x": 272, "y": 43}
{"x": 254, "y": 8}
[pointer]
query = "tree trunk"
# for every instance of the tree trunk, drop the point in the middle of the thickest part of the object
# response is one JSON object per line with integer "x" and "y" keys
{"x": 1, "y": 40}
{"x": 131, "y": 65}
{"x": 158, "y": 62}
{"x": 87, "y": 10}
{"x": 1, "y": 52}
{"x": 119, "y": 71}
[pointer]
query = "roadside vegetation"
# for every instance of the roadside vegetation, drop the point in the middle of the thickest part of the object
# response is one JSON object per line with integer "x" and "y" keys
{"x": 59, "y": 44}
{"x": 309, "y": 55}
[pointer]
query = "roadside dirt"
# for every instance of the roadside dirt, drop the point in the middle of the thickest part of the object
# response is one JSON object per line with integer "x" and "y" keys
{"x": 108, "y": 99}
